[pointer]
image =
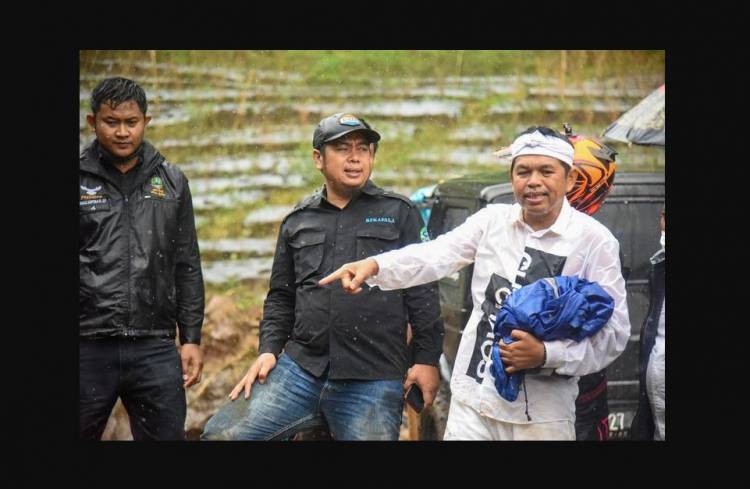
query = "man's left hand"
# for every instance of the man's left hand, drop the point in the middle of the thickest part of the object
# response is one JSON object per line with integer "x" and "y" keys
{"x": 524, "y": 353}
{"x": 192, "y": 364}
{"x": 427, "y": 378}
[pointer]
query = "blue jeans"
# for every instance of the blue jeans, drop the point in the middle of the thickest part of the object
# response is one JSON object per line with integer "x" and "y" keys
{"x": 292, "y": 400}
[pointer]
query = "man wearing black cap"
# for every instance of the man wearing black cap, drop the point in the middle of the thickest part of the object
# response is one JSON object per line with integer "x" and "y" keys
{"x": 325, "y": 359}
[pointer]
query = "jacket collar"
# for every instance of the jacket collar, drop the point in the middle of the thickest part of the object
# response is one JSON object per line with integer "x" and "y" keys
{"x": 92, "y": 161}
{"x": 658, "y": 257}
{"x": 369, "y": 189}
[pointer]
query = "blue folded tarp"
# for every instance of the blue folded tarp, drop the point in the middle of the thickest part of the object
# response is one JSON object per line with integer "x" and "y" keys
{"x": 554, "y": 308}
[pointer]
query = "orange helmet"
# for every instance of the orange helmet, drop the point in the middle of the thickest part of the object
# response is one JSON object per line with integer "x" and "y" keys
{"x": 595, "y": 162}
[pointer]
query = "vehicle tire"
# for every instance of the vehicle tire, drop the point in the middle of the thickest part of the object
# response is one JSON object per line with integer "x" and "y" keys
{"x": 433, "y": 420}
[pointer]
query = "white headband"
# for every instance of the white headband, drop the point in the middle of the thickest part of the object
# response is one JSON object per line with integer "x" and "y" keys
{"x": 536, "y": 143}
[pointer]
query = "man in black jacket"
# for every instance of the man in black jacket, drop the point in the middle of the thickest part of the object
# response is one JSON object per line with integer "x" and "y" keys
{"x": 140, "y": 274}
{"x": 326, "y": 359}
{"x": 649, "y": 422}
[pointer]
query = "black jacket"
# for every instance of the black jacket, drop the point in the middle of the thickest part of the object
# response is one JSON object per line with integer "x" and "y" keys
{"x": 643, "y": 426}
{"x": 360, "y": 336}
{"x": 140, "y": 270}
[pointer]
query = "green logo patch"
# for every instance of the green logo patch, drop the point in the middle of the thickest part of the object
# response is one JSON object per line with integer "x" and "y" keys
{"x": 157, "y": 187}
{"x": 423, "y": 234}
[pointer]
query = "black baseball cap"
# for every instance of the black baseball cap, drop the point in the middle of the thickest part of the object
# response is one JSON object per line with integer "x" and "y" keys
{"x": 337, "y": 125}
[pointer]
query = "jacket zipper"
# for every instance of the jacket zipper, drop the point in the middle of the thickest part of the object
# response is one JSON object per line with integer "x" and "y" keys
{"x": 127, "y": 259}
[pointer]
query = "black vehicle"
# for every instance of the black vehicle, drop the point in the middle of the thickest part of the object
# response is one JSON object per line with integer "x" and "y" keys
{"x": 630, "y": 212}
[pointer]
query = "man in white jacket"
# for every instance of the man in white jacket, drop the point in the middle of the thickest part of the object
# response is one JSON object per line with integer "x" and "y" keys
{"x": 512, "y": 246}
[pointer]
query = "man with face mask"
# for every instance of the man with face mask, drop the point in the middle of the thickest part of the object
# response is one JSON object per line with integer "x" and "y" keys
{"x": 649, "y": 422}
{"x": 140, "y": 274}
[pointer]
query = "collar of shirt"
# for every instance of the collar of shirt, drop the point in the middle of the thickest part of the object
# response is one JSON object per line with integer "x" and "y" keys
{"x": 369, "y": 189}
{"x": 515, "y": 216}
{"x": 110, "y": 168}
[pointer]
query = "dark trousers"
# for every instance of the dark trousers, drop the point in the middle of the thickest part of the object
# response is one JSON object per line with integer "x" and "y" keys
{"x": 592, "y": 408}
{"x": 146, "y": 373}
